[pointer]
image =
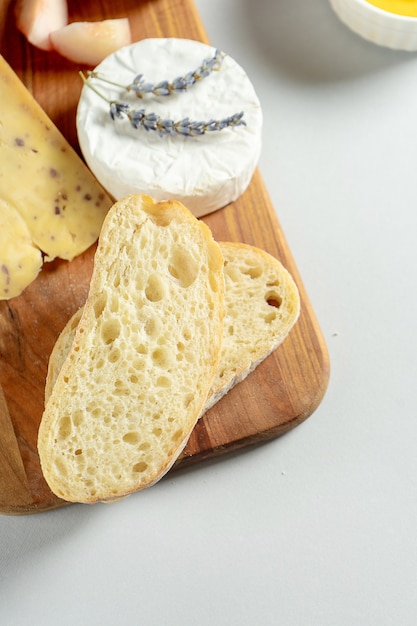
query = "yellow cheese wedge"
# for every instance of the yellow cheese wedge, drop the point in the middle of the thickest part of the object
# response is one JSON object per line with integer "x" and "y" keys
{"x": 20, "y": 259}
{"x": 44, "y": 180}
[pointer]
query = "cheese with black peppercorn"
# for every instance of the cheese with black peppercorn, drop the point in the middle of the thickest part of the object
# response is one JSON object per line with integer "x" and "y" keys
{"x": 50, "y": 203}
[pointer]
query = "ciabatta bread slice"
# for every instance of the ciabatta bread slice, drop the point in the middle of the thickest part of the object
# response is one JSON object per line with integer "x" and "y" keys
{"x": 143, "y": 358}
{"x": 262, "y": 306}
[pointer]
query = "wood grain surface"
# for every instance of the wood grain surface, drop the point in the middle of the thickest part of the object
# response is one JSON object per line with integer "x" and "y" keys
{"x": 283, "y": 391}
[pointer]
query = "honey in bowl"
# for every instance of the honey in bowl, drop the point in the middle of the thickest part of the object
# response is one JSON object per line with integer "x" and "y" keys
{"x": 407, "y": 8}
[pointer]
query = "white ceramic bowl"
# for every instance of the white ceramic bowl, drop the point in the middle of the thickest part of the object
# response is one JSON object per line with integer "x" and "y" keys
{"x": 376, "y": 25}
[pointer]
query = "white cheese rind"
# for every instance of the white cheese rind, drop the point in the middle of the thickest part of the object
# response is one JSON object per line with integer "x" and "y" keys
{"x": 206, "y": 172}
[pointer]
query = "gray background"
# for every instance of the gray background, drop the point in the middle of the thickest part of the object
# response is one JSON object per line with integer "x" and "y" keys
{"x": 319, "y": 526}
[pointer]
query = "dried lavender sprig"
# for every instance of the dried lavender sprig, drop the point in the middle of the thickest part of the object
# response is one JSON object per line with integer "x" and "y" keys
{"x": 151, "y": 121}
{"x": 164, "y": 87}
{"x": 138, "y": 118}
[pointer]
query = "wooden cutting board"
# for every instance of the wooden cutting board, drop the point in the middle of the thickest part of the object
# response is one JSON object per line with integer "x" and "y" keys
{"x": 283, "y": 391}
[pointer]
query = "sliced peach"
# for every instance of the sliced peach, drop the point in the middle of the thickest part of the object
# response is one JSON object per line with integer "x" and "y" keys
{"x": 36, "y": 19}
{"x": 90, "y": 42}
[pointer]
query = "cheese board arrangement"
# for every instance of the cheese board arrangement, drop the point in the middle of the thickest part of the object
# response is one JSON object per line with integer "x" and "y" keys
{"x": 283, "y": 390}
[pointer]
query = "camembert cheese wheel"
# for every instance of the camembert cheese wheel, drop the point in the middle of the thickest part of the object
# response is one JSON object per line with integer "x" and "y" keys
{"x": 205, "y": 172}
{"x": 50, "y": 203}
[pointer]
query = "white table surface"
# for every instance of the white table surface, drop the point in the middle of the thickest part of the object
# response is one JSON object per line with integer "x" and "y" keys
{"x": 317, "y": 528}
